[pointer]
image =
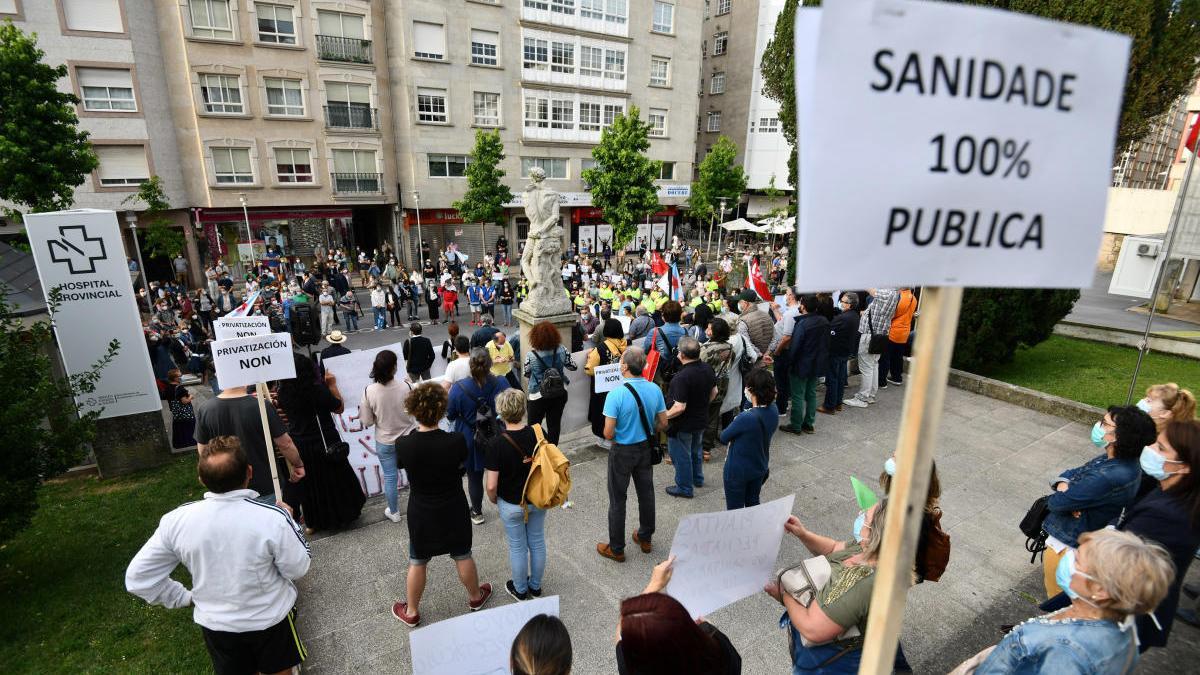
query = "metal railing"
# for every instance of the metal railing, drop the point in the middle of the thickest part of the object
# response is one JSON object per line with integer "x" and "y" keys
{"x": 351, "y": 117}
{"x": 357, "y": 183}
{"x": 349, "y": 50}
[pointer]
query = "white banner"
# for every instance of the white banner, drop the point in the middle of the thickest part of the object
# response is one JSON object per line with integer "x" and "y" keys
{"x": 587, "y": 235}
{"x": 80, "y": 254}
{"x": 230, "y": 327}
{"x": 608, "y": 377}
{"x": 658, "y": 236}
{"x": 723, "y": 557}
{"x": 248, "y": 360}
{"x": 477, "y": 643}
{"x": 353, "y": 372}
{"x": 604, "y": 236}
{"x": 981, "y": 142}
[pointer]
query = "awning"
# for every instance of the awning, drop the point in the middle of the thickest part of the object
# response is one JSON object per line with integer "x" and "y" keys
{"x": 237, "y": 216}
{"x": 739, "y": 225}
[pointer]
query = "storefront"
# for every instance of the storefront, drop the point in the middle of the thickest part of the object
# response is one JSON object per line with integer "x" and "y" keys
{"x": 439, "y": 228}
{"x": 590, "y": 232}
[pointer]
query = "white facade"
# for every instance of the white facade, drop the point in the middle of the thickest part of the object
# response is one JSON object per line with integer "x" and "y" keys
{"x": 766, "y": 149}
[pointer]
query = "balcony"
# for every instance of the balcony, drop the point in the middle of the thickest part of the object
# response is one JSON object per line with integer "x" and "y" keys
{"x": 357, "y": 183}
{"x": 351, "y": 117}
{"x": 346, "y": 50}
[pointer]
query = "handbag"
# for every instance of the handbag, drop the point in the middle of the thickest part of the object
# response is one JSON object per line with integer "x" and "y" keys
{"x": 656, "y": 453}
{"x": 339, "y": 450}
{"x": 878, "y": 341}
{"x": 652, "y": 358}
{"x": 804, "y": 582}
{"x": 1031, "y": 527}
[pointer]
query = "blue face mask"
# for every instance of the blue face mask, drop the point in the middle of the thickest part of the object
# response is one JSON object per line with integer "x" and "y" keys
{"x": 1065, "y": 571}
{"x": 890, "y": 466}
{"x": 1154, "y": 464}
{"x": 1144, "y": 405}
{"x": 858, "y": 525}
{"x": 1098, "y": 436}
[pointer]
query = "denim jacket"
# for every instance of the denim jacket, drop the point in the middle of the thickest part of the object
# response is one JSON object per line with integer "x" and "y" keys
{"x": 534, "y": 367}
{"x": 1098, "y": 490}
{"x": 1047, "y": 645}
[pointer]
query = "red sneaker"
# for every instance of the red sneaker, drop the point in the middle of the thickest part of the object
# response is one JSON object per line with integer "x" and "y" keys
{"x": 486, "y": 593}
{"x": 400, "y": 611}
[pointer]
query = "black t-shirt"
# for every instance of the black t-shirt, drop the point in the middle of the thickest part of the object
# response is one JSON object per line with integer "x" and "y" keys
{"x": 511, "y": 464}
{"x": 239, "y": 417}
{"x": 691, "y": 385}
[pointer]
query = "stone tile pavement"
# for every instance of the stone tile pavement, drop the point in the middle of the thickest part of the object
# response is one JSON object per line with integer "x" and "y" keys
{"x": 993, "y": 458}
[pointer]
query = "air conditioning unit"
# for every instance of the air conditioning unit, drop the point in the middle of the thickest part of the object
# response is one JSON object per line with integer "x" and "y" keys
{"x": 1149, "y": 249}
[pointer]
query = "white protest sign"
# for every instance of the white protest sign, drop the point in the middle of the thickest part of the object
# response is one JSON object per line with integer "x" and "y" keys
{"x": 353, "y": 373}
{"x": 608, "y": 377}
{"x": 980, "y": 142}
{"x": 725, "y": 556}
{"x": 80, "y": 254}
{"x": 474, "y": 644}
{"x": 231, "y": 327}
{"x": 249, "y": 360}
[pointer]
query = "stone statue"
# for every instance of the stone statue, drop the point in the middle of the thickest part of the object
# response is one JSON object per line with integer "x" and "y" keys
{"x": 542, "y": 257}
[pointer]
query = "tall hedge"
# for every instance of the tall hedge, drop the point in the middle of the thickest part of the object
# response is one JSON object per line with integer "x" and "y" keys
{"x": 996, "y": 322}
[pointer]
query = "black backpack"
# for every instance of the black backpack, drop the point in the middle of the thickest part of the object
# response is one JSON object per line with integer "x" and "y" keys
{"x": 552, "y": 386}
{"x": 487, "y": 425}
{"x": 668, "y": 363}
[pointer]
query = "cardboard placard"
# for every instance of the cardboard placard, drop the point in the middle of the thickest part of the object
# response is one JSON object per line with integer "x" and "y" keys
{"x": 477, "y": 643}
{"x": 249, "y": 360}
{"x": 607, "y": 378}
{"x": 232, "y": 327}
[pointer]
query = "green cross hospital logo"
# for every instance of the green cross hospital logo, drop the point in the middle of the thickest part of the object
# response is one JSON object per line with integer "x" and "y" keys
{"x": 76, "y": 249}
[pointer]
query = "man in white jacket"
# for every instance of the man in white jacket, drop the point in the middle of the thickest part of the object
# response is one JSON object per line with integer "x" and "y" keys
{"x": 243, "y": 556}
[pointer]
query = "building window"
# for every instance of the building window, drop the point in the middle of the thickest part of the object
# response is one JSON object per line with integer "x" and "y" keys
{"x": 342, "y": 25}
{"x": 589, "y": 117}
{"x": 614, "y": 64}
{"x": 717, "y": 83}
{"x": 537, "y": 4}
{"x": 94, "y": 16}
{"x": 483, "y": 47}
{"x": 554, "y": 167}
{"x": 614, "y": 11}
{"x": 562, "y": 6}
{"x": 431, "y": 105}
{"x": 122, "y": 165}
{"x": 355, "y": 171}
{"x": 591, "y": 61}
{"x": 284, "y": 97}
{"x": 106, "y": 89}
{"x": 276, "y": 24}
{"x": 658, "y": 122}
{"x": 723, "y": 6}
{"x": 562, "y": 57}
{"x": 232, "y": 165}
{"x": 222, "y": 94}
{"x": 664, "y": 17}
{"x": 660, "y": 71}
{"x": 584, "y": 165}
{"x": 211, "y": 19}
{"x": 611, "y": 112}
{"x": 720, "y": 43}
{"x": 768, "y": 125}
{"x": 293, "y": 165}
{"x": 537, "y": 54}
{"x": 487, "y": 109}
{"x": 448, "y": 166}
{"x": 714, "y": 121}
{"x": 348, "y": 106}
{"x": 537, "y": 111}
{"x": 562, "y": 114}
{"x": 429, "y": 41}
{"x": 666, "y": 170}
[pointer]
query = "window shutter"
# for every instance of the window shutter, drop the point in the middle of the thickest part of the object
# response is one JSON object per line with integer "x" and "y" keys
{"x": 329, "y": 23}
{"x": 103, "y": 16}
{"x": 104, "y": 77}
{"x": 486, "y": 37}
{"x": 343, "y": 161}
{"x": 429, "y": 40}
{"x": 359, "y": 93}
{"x": 122, "y": 161}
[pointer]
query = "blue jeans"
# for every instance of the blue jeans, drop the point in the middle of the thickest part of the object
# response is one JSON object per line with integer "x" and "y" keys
{"x": 817, "y": 660}
{"x": 506, "y": 313}
{"x": 741, "y": 489}
{"x": 351, "y": 319}
{"x": 380, "y": 317}
{"x": 387, "y": 463}
{"x": 526, "y": 544}
{"x": 687, "y": 454}
{"x": 835, "y": 381}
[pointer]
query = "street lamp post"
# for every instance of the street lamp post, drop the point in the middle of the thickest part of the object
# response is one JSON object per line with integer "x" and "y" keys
{"x": 721, "y": 233}
{"x": 131, "y": 218}
{"x": 249, "y": 234}
{"x": 420, "y": 239}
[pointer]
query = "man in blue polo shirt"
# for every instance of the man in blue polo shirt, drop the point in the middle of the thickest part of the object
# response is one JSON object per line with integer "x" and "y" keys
{"x": 630, "y": 455}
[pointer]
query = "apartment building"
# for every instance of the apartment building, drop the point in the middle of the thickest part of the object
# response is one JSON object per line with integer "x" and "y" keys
{"x": 112, "y": 51}
{"x": 549, "y": 75}
{"x": 282, "y": 122}
{"x": 735, "y": 35}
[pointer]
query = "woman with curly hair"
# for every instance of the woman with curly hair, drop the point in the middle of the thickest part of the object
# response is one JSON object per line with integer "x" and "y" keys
{"x": 546, "y": 354}
{"x": 438, "y": 516}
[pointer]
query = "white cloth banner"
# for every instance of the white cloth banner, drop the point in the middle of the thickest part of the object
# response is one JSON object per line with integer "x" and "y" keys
{"x": 474, "y": 644}
{"x": 248, "y": 360}
{"x": 353, "y": 373}
{"x": 608, "y": 377}
{"x": 725, "y": 556}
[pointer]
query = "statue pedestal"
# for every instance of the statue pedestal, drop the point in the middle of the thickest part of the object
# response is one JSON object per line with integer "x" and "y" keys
{"x": 527, "y": 319}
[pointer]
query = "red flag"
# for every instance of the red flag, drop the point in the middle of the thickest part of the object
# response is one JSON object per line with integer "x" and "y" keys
{"x": 760, "y": 285}
{"x": 657, "y": 264}
{"x": 1193, "y": 135}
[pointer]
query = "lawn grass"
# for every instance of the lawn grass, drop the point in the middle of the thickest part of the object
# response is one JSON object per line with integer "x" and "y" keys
{"x": 1092, "y": 372}
{"x": 62, "y": 581}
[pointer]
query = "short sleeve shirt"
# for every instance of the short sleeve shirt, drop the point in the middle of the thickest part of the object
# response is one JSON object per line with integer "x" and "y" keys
{"x": 620, "y": 405}
{"x": 692, "y": 385}
{"x": 846, "y": 600}
{"x": 511, "y": 465}
{"x": 239, "y": 417}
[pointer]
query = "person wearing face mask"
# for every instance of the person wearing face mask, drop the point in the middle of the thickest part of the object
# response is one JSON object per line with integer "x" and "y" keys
{"x": 1168, "y": 402}
{"x": 1087, "y": 497}
{"x": 1111, "y": 578}
{"x": 933, "y": 544}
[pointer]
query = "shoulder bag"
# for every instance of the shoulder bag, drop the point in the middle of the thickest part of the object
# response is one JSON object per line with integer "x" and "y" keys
{"x": 878, "y": 341}
{"x": 337, "y": 451}
{"x": 1031, "y": 527}
{"x": 656, "y": 453}
{"x": 804, "y": 581}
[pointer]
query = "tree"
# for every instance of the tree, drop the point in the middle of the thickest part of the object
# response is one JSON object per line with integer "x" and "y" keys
{"x": 160, "y": 239}
{"x": 622, "y": 182}
{"x": 43, "y": 156}
{"x": 720, "y": 177}
{"x": 486, "y": 195}
{"x": 994, "y": 322}
{"x": 42, "y": 433}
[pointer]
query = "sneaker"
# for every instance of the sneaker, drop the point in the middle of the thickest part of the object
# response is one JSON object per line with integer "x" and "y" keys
{"x": 807, "y": 428}
{"x": 512, "y": 590}
{"x": 855, "y": 402}
{"x": 606, "y": 551}
{"x": 895, "y": 382}
{"x": 645, "y": 545}
{"x": 675, "y": 491}
{"x": 477, "y": 518}
{"x": 604, "y": 444}
{"x": 394, "y": 517}
{"x": 535, "y": 592}
{"x": 871, "y": 400}
{"x": 884, "y": 385}
{"x": 485, "y": 591}
{"x": 400, "y": 611}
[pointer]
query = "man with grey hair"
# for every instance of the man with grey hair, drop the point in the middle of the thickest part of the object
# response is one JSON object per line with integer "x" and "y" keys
{"x": 641, "y": 325}
{"x": 634, "y": 414}
{"x": 690, "y": 391}
{"x": 843, "y": 344}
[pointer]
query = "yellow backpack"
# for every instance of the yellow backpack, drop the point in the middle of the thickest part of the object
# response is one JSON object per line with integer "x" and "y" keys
{"x": 549, "y": 480}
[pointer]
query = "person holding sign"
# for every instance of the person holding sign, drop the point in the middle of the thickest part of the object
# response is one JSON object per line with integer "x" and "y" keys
{"x": 607, "y": 352}
{"x": 235, "y": 413}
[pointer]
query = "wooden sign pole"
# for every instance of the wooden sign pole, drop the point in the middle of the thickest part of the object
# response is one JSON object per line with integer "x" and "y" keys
{"x": 926, "y": 392}
{"x": 263, "y": 395}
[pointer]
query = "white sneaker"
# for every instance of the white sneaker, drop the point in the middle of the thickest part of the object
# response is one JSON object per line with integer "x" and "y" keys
{"x": 394, "y": 517}
{"x": 871, "y": 400}
{"x": 604, "y": 443}
{"x": 855, "y": 402}
{"x": 477, "y": 518}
